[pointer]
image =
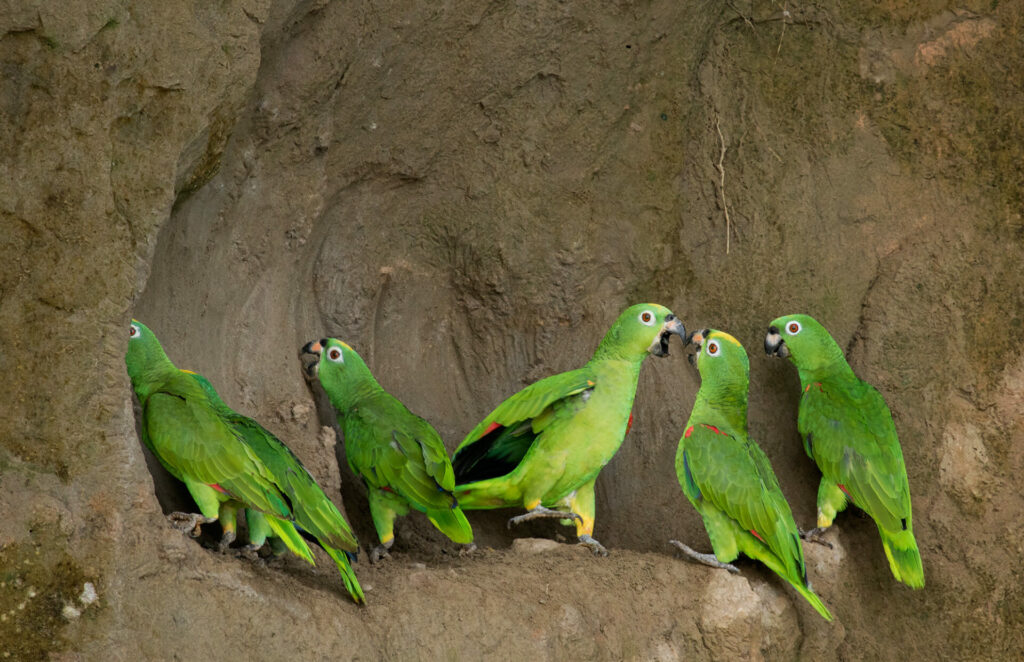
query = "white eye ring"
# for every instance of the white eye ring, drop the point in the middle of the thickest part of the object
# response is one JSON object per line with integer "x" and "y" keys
{"x": 648, "y": 318}
{"x": 713, "y": 348}
{"x": 133, "y": 331}
{"x": 335, "y": 354}
{"x": 793, "y": 327}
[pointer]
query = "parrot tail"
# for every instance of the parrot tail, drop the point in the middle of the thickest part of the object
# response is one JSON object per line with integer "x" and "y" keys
{"x": 348, "y": 575}
{"x": 453, "y": 523}
{"x": 486, "y": 494}
{"x": 285, "y": 530}
{"x": 764, "y": 555}
{"x": 813, "y": 598}
{"x": 904, "y": 558}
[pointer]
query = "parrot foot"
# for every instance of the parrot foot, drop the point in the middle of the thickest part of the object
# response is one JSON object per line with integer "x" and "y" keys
{"x": 189, "y": 522}
{"x": 541, "y": 511}
{"x": 706, "y": 559}
{"x": 226, "y": 539}
{"x": 381, "y": 551}
{"x": 816, "y": 535}
{"x": 594, "y": 546}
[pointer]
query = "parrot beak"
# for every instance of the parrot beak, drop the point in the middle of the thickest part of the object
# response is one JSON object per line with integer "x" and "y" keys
{"x": 314, "y": 347}
{"x": 696, "y": 338}
{"x": 774, "y": 345}
{"x": 671, "y": 326}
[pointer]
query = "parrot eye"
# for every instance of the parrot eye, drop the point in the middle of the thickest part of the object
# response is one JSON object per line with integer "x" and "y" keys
{"x": 133, "y": 331}
{"x": 334, "y": 354}
{"x": 713, "y": 349}
{"x": 647, "y": 317}
{"x": 793, "y": 328}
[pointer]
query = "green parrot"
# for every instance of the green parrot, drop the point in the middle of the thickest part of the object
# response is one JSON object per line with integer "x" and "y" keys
{"x": 848, "y": 431}
{"x": 398, "y": 455}
{"x": 198, "y": 446}
{"x": 543, "y": 447}
{"x": 727, "y": 477}
{"x": 313, "y": 511}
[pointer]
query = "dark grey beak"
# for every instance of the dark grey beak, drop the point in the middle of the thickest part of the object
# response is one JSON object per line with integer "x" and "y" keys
{"x": 314, "y": 346}
{"x": 774, "y": 345}
{"x": 671, "y": 326}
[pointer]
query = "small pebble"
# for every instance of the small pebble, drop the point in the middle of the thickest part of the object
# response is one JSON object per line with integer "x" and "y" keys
{"x": 89, "y": 595}
{"x": 70, "y": 613}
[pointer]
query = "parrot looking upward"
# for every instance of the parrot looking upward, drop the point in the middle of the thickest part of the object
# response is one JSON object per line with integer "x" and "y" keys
{"x": 313, "y": 511}
{"x": 727, "y": 477}
{"x": 198, "y": 446}
{"x": 848, "y": 431}
{"x": 397, "y": 454}
{"x": 543, "y": 447}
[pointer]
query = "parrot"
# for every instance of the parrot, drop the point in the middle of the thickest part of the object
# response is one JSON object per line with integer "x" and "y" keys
{"x": 313, "y": 511}
{"x": 728, "y": 478}
{"x": 847, "y": 429}
{"x": 193, "y": 441}
{"x": 398, "y": 455}
{"x": 543, "y": 447}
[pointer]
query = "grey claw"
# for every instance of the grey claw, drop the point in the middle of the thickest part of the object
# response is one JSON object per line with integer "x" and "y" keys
{"x": 189, "y": 522}
{"x": 816, "y": 535}
{"x": 225, "y": 541}
{"x": 594, "y": 546}
{"x": 707, "y": 559}
{"x": 541, "y": 511}
{"x": 381, "y": 552}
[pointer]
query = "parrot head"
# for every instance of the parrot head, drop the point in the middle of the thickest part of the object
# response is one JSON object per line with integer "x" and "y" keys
{"x": 803, "y": 339}
{"x": 721, "y": 359}
{"x": 337, "y": 362}
{"x": 640, "y": 330}
{"x": 144, "y": 351}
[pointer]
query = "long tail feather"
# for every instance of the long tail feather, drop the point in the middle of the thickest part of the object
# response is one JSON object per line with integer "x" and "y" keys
{"x": 453, "y": 523}
{"x": 486, "y": 494}
{"x": 763, "y": 555}
{"x": 285, "y": 530}
{"x": 904, "y": 557}
{"x": 348, "y": 575}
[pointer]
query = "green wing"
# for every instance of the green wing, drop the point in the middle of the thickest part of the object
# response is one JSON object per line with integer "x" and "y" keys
{"x": 393, "y": 449}
{"x": 499, "y": 442}
{"x": 193, "y": 441}
{"x": 313, "y": 511}
{"x": 734, "y": 474}
{"x": 851, "y": 436}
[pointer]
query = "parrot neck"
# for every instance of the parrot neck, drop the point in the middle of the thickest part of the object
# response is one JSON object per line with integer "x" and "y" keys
{"x": 357, "y": 384}
{"x": 148, "y": 370}
{"x": 717, "y": 404}
{"x": 611, "y": 349}
{"x": 835, "y": 370}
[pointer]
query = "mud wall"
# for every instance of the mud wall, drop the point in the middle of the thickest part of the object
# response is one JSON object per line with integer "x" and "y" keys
{"x": 468, "y": 195}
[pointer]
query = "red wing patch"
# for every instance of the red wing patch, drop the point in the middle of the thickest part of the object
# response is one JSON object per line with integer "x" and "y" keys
{"x": 712, "y": 428}
{"x": 629, "y": 423}
{"x": 218, "y": 488}
{"x": 688, "y": 432}
{"x": 758, "y": 536}
{"x": 845, "y": 491}
{"x": 490, "y": 428}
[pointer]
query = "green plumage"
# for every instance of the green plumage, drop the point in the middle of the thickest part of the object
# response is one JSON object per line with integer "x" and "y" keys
{"x": 727, "y": 477}
{"x": 544, "y": 446}
{"x": 311, "y": 508}
{"x": 848, "y": 431}
{"x": 193, "y": 441}
{"x": 398, "y": 455}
